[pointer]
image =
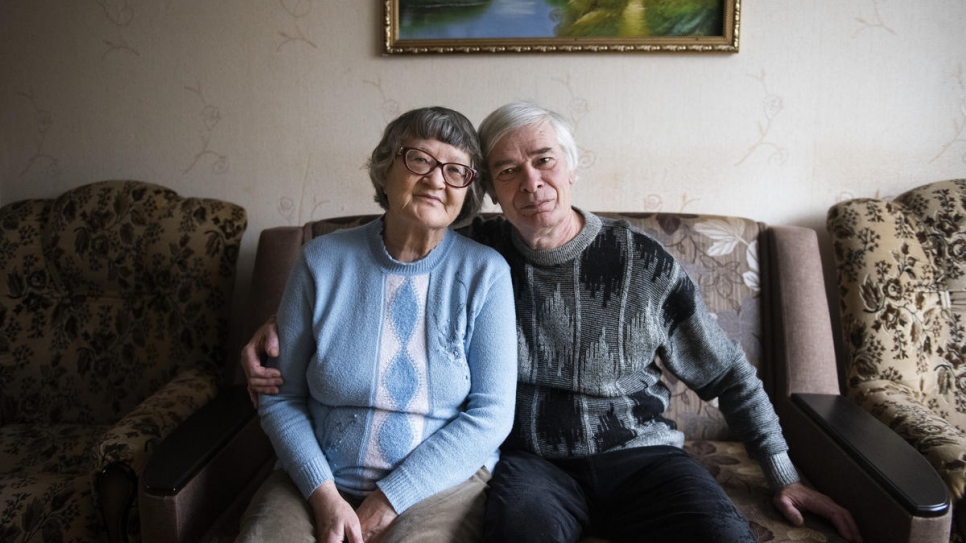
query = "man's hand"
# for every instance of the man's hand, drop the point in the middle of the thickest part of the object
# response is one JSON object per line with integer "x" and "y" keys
{"x": 375, "y": 515}
{"x": 264, "y": 344}
{"x": 796, "y": 498}
{"x": 335, "y": 521}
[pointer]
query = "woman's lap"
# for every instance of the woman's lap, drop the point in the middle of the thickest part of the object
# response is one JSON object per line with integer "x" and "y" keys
{"x": 278, "y": 512}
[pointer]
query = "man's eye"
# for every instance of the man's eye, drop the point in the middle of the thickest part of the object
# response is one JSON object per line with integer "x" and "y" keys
{"x": 506, "y": 173}
{"x": 545, "y": 162}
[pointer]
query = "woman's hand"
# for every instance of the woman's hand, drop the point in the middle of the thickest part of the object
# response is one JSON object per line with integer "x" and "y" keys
{"x": 335, "y": 521}
{"x": 261, "y": 380}
{"x": 375, "y": 516}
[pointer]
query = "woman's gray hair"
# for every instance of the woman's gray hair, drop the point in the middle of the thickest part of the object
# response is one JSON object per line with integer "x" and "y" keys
{"x": 430, "y": 123}
{"x": 514, "y": 115}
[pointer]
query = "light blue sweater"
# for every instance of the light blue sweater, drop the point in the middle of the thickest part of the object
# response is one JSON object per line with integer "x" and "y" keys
{"x": 401, "y": 375}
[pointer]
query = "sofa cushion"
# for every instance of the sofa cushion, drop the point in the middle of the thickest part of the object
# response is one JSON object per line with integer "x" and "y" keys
{"x": 743, "y": 480}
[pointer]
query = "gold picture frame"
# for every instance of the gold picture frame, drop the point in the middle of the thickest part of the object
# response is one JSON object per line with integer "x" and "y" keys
{"x": 630, "y": 26}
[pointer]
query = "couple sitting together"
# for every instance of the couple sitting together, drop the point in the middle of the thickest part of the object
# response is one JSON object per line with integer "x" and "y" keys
{"x": 425, "y": 385}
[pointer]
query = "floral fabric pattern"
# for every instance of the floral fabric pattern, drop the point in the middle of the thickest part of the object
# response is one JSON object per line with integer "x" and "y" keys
{"x": 902, "y": 285}
{"x": 745, "y": 484}
{"x": 721, "y": 256}
{"x": 113, "y": 325}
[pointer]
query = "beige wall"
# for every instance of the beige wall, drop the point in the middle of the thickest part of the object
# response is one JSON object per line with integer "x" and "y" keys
{"x": 275, "y": 104}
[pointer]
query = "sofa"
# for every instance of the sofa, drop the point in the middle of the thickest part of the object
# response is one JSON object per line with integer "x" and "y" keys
{"x": 114, "y": 317}
{"x": 765, "y": 285}
{"x": 901, "y": 268}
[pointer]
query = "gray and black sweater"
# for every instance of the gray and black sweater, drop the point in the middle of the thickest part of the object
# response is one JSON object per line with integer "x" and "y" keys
{"x": 591, "y": 316}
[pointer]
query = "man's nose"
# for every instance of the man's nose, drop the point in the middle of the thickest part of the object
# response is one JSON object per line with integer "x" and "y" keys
{"x": 531, "y": 179}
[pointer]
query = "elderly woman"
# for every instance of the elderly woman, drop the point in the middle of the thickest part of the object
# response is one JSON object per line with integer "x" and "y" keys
{"x": 398, "y": 357}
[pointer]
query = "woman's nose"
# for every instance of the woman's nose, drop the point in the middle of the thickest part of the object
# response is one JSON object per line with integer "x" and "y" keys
{"x": 435, "y": 176}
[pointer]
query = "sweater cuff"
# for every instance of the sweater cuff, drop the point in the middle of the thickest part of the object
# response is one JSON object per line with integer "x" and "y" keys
{"x": 310, "y": 476}
{"x": 779, "y": 471}
{"x": 400, "y": 491}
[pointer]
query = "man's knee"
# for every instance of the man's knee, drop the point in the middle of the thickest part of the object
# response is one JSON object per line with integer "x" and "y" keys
{"x": 532, "y": 521}
{"x": 730, "y": 526}
{"x": 530, "y": 499}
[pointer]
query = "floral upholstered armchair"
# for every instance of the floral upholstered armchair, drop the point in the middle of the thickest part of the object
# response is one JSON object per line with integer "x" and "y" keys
{"x": 766, "y": 287}
{"x": 902, "y": 284}
{"x": 114, "y": 307}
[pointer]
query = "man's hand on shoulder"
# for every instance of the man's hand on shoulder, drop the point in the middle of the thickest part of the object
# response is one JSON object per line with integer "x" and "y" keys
{"x": 262, "y": 345}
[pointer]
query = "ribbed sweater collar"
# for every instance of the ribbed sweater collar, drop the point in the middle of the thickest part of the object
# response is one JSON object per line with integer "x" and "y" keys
{"x": 377, "y": 248}
{"x": 566, "y": 252}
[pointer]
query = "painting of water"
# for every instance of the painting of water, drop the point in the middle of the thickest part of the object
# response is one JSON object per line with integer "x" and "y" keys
{"x": 441, "y": 26}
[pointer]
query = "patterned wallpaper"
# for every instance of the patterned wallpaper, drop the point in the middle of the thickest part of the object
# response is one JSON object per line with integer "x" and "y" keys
{"x": 275, "y": 104}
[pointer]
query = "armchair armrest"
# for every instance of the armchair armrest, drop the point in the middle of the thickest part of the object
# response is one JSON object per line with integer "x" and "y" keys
{"x": 835, "y": 444}
{"x": 132, "y": 438}
{"x": 124, "y": 450}
{"x": 890, "y": 489}
{"x": 939, "y": 441}
{"x": 183, "y": 454}
{"x": 892, "y": 462}
{"x": 205, "y": 470}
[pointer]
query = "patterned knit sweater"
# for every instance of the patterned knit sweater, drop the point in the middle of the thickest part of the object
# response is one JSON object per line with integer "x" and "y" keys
{"x": 395, "y": 374}
{"x": 591, "y": 317}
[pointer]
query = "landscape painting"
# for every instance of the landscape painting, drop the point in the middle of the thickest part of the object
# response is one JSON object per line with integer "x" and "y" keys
{"x": 537, "y": 26}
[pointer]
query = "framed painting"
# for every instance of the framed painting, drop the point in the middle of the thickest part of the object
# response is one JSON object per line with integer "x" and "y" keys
{"x": 549, "y": 26}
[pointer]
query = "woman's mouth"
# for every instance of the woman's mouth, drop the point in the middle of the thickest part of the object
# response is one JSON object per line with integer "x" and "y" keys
{"x": 430, "y": 198}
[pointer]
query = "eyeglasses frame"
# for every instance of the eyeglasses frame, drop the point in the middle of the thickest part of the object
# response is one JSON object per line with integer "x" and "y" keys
{"x": 473, "y": 173}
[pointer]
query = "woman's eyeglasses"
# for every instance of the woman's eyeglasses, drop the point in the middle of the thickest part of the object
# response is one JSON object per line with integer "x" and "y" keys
{"x": 422, "y": 163}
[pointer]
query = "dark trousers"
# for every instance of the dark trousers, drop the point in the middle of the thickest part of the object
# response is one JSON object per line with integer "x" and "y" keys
{"x": 648, "y": 494}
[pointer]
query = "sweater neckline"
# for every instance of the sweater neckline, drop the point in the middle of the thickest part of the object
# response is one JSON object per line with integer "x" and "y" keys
{"x": 566, "y": 252}
{"x": 377, "y": 248}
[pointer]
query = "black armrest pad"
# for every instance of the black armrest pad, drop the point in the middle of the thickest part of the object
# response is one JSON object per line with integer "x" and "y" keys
{"x": 894, "y": 464}
{"x": 196, "y": 441}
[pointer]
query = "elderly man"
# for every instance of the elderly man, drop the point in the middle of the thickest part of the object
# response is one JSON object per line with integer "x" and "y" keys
{"x": 590, "y": 451}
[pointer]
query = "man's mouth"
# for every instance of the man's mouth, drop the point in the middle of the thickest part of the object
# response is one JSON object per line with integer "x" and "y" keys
{"x": 536, "y": 206}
